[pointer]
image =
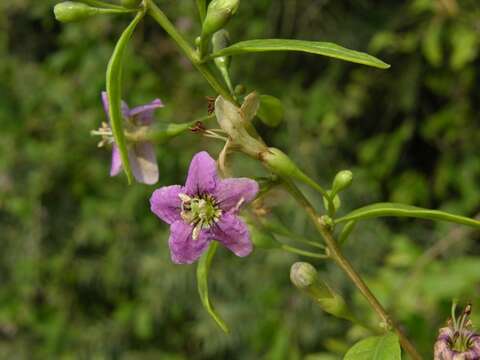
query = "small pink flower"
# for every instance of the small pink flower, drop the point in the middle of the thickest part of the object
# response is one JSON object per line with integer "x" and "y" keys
{"x": 203, "y": 210}
{"x": 141, "y": 154}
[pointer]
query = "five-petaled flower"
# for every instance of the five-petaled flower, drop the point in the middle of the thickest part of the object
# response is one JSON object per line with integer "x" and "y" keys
{"x": 141, "y": 152}
{"x": 203, "y": 210}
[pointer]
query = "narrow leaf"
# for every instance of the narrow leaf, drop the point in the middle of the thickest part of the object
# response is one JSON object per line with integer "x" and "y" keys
{"x": 346, "y": 231}
{"x": 313, "y": 47}
{"x": 202, "y": 282}
{"x": 114, "y": 92}
{"x": 401, "y": 210}
{"x": 386, "y": 347}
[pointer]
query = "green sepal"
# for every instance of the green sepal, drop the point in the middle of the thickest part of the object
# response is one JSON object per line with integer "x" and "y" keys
{"x": 114, "y": 92}
{"x": 203, "y": 268}
{"x": 271, "y": 110}
{"x": 313, "y": 47}
{"x": 401, "y": 210}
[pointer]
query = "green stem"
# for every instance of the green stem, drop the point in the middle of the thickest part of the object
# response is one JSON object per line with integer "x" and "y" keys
{"x": 337, "y": 255}
{"x": 280, "y": 229}
{"x": 159, "y": 16}
{"x": 297, "y": 251}
{"x": 335, "y": 252}
{"x": 202, "y": 9}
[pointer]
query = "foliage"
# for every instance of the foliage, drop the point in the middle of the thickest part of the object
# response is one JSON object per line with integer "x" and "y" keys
{"x": 84, "y": 266}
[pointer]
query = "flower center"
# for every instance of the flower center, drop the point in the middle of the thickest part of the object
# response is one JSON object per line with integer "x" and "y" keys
{"x": 462, "y": 337}
{"x": 201, "y": 211}
{"x": 105, "y": 132}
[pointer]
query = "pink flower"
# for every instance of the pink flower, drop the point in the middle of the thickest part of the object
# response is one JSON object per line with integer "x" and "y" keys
{"x": 204, "y": 209}
{"x": 141, "y": 154}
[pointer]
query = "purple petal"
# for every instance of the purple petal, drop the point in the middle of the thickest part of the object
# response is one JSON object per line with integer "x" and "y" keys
{"x": 166, "y": 204}
{"x": 143, "y": 162}
{"x": 125, "y": 109}
{"x": 202, "y": 175}
{"x": 144, "y": 114}
{"x": 233, "y": 233}
{"x": 183, "y": 249}
{"x": 230, "y": 192}
{"x": 116, "y": 161}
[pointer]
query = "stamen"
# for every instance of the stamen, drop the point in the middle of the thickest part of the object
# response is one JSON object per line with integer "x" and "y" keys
{"x": 201, "y": 211}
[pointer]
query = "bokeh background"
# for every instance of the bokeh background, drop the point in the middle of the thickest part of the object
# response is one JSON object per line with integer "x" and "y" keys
{"x": 84, "y": 266}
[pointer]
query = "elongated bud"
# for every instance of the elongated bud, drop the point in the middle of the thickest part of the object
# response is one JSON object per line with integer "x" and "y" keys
{"x": 342, "y": 181}
{"x": 70, "y": 11}
{"x": 305, "y": 277}
{"x": 219, "y": 13}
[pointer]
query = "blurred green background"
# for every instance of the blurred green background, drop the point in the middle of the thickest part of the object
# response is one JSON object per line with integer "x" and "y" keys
{"x": 84, "y": 266}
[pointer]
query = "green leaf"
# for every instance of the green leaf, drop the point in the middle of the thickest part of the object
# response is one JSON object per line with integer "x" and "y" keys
{"x": 313, "y": 47}
{"x": 401, "y": 210}
{"x": 202, "y": 282}
{"x": 271, "y": 110}
{"x": 114, "y": 92}
{"x": 386, "y": 347}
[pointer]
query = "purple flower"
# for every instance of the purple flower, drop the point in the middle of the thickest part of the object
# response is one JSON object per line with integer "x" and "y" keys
{"x": 205, "y": 209}
{"x": 457, "y": 341}
{"x": 141, "y": 153}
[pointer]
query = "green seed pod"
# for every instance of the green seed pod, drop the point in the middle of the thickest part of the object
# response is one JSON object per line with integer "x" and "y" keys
{"x": 305, "y": 277}
{"x": 279, "y": 163}
{"x": 70, "y": 11}
{"x": 219, "y": 13}
{"x": 342, "y": 181}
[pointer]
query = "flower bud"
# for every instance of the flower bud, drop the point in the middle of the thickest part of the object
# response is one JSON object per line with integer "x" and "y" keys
{"x": 305, "y": 277}
{"x": 70, "y": 11}
{"x": 219, "y": 13}
{"x": 342, "y": 181}
{"x": 221, "y": 40}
